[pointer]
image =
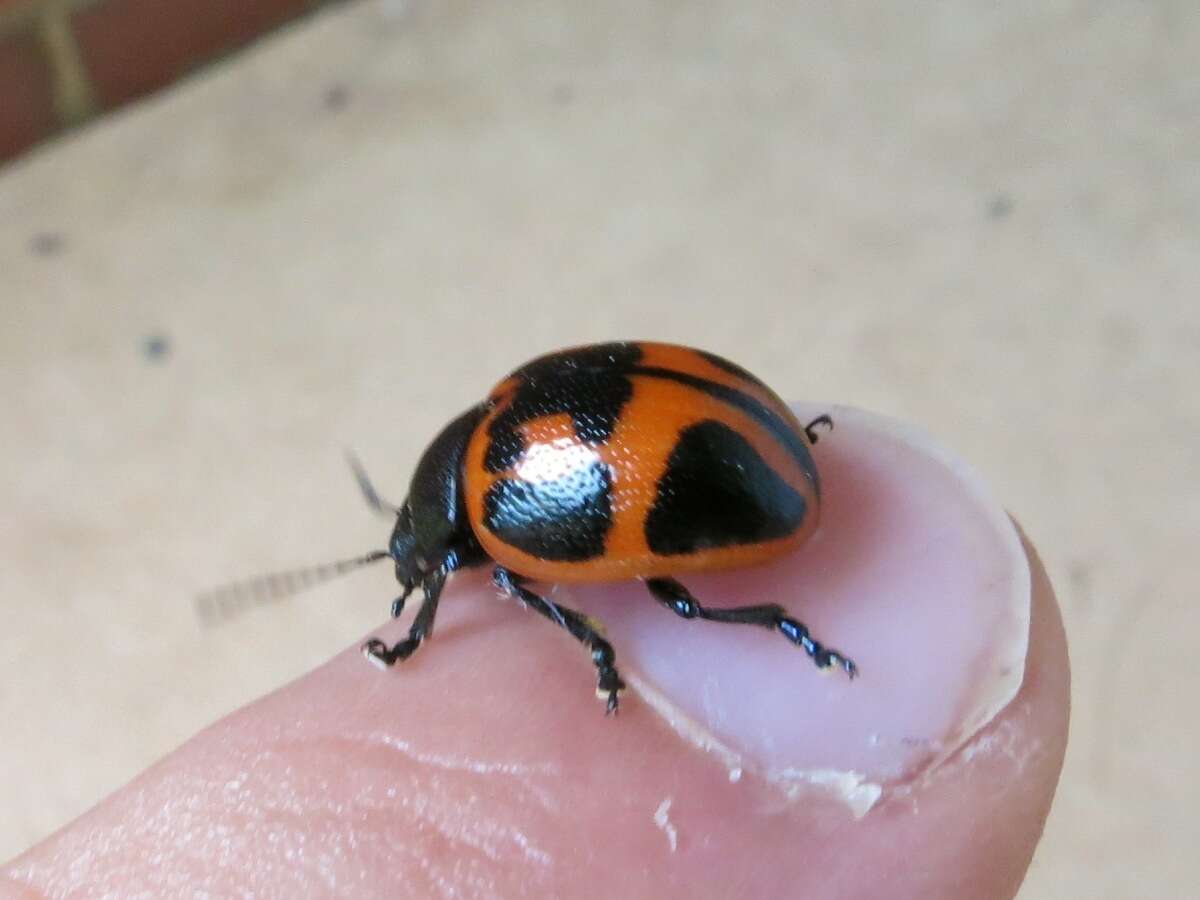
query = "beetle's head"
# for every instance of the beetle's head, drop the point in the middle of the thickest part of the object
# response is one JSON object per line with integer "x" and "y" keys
{"x": 403, "y": 546}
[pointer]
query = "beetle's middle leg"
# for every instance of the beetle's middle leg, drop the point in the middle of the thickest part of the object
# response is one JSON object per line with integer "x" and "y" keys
{"x": 608, "y": 680}
{"x": 673, "y": 595}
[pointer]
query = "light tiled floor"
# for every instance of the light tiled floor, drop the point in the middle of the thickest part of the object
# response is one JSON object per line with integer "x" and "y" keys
{"x": 983, "y": 219}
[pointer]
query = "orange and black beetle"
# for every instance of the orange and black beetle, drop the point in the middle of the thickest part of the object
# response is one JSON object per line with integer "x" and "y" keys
{"x": 605, "y": 463}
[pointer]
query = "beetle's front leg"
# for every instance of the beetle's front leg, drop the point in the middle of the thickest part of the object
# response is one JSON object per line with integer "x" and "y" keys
{"x": 384, "y": 656}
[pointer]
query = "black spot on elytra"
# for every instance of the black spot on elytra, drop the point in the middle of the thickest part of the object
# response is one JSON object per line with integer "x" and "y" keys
{"x": 505, "y": 444}
{"x": 565, "y": 519}
{"x": 589, "y": 385}
{"x": 718, "y": 492}
{"x": 780, "y": 428}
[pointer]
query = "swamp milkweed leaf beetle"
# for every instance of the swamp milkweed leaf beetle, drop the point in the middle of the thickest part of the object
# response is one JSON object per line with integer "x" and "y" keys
{"x": 599, "y": 463}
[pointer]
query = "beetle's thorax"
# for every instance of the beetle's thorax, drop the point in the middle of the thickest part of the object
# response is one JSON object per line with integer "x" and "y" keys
{"x": 433, "y": 523}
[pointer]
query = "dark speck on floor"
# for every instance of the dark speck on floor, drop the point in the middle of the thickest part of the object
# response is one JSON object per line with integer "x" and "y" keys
{"x": 999, "y": 206}
{"x": 48, "y": 243}
{"x": 156, "y": 347}
{"x": 562, "y": 94}
{"x": 336, "y": 97}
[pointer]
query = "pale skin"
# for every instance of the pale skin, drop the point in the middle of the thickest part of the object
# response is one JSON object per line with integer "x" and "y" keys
{"x": 473, "y": 772}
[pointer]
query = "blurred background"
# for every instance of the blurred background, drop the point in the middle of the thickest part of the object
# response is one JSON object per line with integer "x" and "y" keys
{"x": 982, "y": 217}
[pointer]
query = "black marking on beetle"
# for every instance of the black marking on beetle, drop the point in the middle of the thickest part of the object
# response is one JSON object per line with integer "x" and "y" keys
{"x": 779, "y": 427}
{"x": 731, "y": 367}
{"x": 505, "y": 444}
{"x": 435, "y": 496}
{"x": 718, "y": 492}
{"x": 565, "y": 520}
{"x": 593, "y": 397}
{"x": 615, "y": 356}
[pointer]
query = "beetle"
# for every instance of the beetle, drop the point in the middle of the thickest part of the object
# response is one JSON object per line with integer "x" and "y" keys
{"x": 602, "y": 463}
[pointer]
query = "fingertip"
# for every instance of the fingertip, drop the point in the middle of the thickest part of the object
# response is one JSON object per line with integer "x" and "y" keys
{"x": 915, "y": 585}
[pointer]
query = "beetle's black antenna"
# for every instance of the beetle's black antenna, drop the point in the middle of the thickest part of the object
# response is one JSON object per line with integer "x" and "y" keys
{"x": 224, "y": 603}
{"x": 372, "y": 497}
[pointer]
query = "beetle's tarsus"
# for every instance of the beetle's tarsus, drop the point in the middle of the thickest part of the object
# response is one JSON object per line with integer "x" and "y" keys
{"x": 811, "y": 428}
{"x": 385, "y": 657}
{"x": 377, "y": 653}
{"x": 609, "y": 685}
{"x": 831, "y": 659}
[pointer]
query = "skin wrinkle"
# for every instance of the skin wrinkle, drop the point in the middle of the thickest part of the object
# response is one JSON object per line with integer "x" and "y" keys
{"x": 460, "y": 764}
{"x": 309, "y": 832}
{"x": 462, "y": 825}
{"x": 464, "y": 830}
{"x": 476, "y": 846}
{"x": 340, "y": 748}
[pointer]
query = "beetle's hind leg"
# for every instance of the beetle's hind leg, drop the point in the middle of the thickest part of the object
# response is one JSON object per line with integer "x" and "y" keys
{"x": 608, "y": 681}
{"x": 673, "y": 595}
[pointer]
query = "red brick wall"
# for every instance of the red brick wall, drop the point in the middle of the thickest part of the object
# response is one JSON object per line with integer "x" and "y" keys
{"x": 26, "y": 100}
{"x": 62, "y": 61}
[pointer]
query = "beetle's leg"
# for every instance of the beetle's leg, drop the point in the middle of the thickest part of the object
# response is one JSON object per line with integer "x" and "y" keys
{"x": 811, "y": 428}
{"x": 673, "y": 595}
{"x": 398, "y": 603}
{"x": 380, "y": 653}
{"x": 608, "y": 683}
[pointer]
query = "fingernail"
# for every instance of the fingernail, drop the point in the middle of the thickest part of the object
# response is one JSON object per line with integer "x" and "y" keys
{"x": 916, "y": 573}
